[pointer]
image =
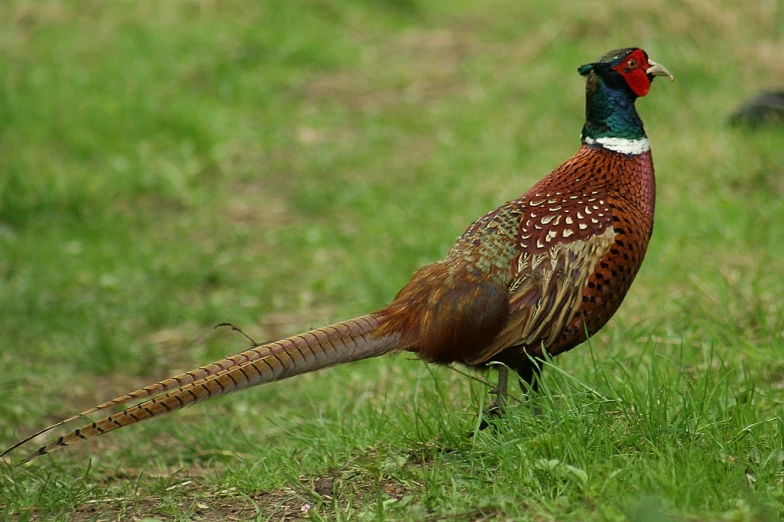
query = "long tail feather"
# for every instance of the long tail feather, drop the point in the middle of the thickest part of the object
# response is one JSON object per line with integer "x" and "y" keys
{"x": 163, "y": 386}
{"x": 320, "y": 348}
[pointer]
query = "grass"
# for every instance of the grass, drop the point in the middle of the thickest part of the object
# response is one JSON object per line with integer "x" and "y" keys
{"x": 169, "y": 166}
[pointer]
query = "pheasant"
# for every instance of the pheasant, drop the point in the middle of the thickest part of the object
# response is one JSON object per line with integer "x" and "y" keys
{"x": 535, "y": 276}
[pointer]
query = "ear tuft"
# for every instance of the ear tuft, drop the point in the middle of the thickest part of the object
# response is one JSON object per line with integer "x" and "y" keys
{"x": 584, "y": 70}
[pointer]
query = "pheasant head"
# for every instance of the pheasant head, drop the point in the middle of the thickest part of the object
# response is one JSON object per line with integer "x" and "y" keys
{"x": 614, "y": 83}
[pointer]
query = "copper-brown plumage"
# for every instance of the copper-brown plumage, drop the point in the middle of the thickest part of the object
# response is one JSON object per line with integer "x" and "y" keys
{"x": 535, "y": 275}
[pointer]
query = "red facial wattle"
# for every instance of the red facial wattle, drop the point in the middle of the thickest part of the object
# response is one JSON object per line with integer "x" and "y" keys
{"x": 633, "y": 69}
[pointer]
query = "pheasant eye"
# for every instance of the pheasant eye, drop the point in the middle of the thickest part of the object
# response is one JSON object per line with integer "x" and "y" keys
{"x": 631, "y": 64}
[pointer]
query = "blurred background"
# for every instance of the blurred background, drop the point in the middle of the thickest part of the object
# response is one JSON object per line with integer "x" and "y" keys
{"x": 167, "y": 166}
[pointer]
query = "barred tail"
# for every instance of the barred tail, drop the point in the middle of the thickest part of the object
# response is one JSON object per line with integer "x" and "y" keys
{"x": 347, "y": 341}
{"x": 165, "y": 385}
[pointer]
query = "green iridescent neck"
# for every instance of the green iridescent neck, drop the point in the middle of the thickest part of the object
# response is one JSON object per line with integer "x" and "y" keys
{"x": 610, "y": 112}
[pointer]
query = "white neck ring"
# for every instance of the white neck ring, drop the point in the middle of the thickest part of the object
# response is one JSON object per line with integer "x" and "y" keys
{"x": 621, "y": 145}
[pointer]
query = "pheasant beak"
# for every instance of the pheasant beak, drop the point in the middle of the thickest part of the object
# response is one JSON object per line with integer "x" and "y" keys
{"x": 657, "y": 69}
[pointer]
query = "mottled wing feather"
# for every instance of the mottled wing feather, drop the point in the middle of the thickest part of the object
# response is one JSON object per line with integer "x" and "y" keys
{"x": 547, "y": 293}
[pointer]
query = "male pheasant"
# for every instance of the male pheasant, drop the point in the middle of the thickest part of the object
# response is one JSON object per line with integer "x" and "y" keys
{"x": 534, "y": 276}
